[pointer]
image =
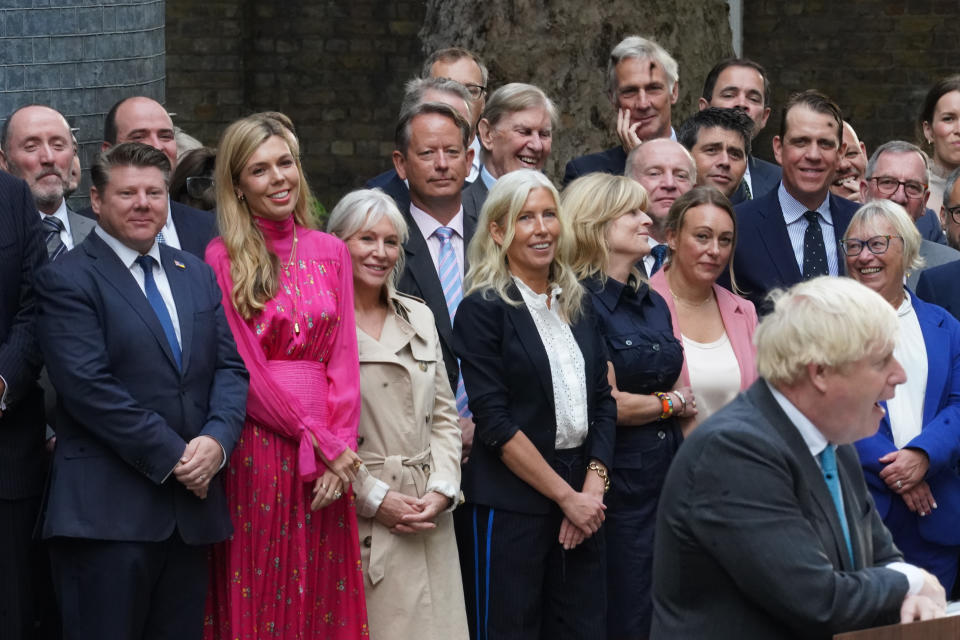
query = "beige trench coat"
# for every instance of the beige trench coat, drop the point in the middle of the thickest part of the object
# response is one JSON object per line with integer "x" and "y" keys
{"x": 408, "y": 438}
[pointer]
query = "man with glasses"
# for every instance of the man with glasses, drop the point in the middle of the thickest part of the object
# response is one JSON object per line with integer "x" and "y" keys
{"x": 643, "y": 85}
{"x": 897, "y": 171}
{"x": 939, "y": 284}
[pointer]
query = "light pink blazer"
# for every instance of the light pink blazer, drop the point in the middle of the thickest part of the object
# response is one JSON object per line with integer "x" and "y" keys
{"x": 739, "y": 320}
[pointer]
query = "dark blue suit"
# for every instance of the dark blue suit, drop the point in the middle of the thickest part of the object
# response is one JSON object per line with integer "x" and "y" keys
{"x": 764, "y": 258}
{"x": 932, "y": 541}
{"x": 23, "y": 460}
{"x": 763, "y": 175}
{"x": 125, "y": 415}
{"x": 610, "y": 161}
{"x": 929, "y": 227}
{"x": 939, "y": 286}
{"x": 391, "y": 184}
{"x": 195, "y": 227}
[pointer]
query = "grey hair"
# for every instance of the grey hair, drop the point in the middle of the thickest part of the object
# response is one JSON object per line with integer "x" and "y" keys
{"x": 951, "y": 182}
{"x": 898, "y": 146}
{"x": 518, "y": 96}
{"x": 360, "y": 210}
{"x": 402, "y": 135}
{"x": 416, "y": 89}
{"x": 642, "y": 49}
{"x": 825, "y": 321}
{"x": 452, "y": 54}
{"x": 902, "y": 224}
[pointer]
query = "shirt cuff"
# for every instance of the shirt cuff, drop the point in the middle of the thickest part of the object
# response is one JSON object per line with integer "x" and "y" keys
{"x": 444, "y": 489}
{"x": 913, "y": 574}
{"x": 371, "y": 503}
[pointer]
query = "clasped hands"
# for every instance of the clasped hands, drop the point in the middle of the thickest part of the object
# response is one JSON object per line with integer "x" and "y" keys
{"x": 904, "y": 475}
{"x": 339, "y": 474}
{"x": 201, "y": 460}
{"x": 582, "y": 512}
{"x": 404, "y": 514}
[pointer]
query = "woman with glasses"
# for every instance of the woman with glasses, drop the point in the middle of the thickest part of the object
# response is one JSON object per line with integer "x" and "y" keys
{"x": 911, "y": 463}
{"x": 939, "y": 125}
{"x": 192, "y": 181}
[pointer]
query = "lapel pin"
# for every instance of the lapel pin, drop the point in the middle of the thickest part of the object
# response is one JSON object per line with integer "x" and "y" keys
{"x": 179, "y": 264}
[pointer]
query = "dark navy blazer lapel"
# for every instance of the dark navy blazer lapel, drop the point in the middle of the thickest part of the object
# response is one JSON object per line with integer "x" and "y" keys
{"x": 180, "y": 286}
{"x": 419, "y": 264}
{"x": 114, "y": 272}
{"x": 776, "y": 240}
{"x": 522, "y": 322}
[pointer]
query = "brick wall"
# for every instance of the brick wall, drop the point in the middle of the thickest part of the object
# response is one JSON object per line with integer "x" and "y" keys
{"x": 336, "y": 68}
{"x": 876, "y": 58}
{"x": 80, "y": 57}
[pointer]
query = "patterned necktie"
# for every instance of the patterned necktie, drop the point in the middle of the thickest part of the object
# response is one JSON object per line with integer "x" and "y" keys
{"x": 659, "y": 255}
{"x": 746, "y": 190}
{"x": 52, "y": 226}
{"x": 448, "y": 268}
{"x": 160, "y": 238}
{"x": 828, "y": 464}
{"x": 159, "y": 306}
{"x": 814, "y": 252}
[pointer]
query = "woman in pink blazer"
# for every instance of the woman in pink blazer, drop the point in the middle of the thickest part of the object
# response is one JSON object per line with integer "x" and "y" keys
{"x": 715, "y": 326}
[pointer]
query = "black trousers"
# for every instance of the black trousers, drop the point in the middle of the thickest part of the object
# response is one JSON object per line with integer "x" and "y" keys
{"x": 130, "y": 590}
{"x": 519, "y": 583}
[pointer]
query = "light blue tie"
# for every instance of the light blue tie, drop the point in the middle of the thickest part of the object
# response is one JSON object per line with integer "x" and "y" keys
{"x": 828, "y": 464}
{"x": 159, "y": 307}
{"x": 659, "y": 255}
{"x": 448, "y": 268}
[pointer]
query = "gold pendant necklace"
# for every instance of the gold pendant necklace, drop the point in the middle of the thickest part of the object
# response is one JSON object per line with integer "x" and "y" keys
{"x": 296, "y": 281}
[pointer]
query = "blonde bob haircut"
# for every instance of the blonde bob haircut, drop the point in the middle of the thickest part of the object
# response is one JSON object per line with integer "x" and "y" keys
{"x": 826, "y": 321}
{"x": 867, "y": 217}
{"x": 253, "y": 267}
{"x": 489, "y": 267}
{"x": 359, "y": 211}
{"x": 591, "y": 203}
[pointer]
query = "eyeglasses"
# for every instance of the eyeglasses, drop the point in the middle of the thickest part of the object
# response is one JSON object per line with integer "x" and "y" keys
{"x": 476, "y": 90}
{"x": 888, "y": 186}
{"x": 197, "y": 186}
{"x": 877, "y": 245}
{"x": 954, "y": 213}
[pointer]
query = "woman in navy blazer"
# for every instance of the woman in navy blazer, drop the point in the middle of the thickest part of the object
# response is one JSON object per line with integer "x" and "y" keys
{"x": 911, "y": 464}
{"x": 534, "y": 367}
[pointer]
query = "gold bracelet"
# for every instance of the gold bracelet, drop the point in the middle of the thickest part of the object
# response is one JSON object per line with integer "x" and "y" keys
{"x": 602, "y": 472}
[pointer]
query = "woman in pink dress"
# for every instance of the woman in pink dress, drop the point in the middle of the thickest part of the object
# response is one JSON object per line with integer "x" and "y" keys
{"x": 292, "y": 567}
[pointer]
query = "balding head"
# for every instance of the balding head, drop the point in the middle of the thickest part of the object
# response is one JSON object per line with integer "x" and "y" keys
{"x": 667, "y": 171}
{"x": 141, "y": 119}
{"x": 38, "y": 147}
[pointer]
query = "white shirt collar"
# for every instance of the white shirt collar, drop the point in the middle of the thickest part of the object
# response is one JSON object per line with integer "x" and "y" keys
{"x": 127, "y": 255}
{"x": 428, "y": 224}
{"x": 793, "y": 210}
{"x": 815, "y": 441}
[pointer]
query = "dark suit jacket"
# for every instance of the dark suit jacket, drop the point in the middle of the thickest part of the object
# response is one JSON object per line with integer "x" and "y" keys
{"x": 195, "y": 227}
{"x": 934, "y": 254}
{"x": 939, "y": 438}
{"x": 764, "y": 176}
{"x": 610, "y": 161}
{"x": 748, "y": 541}
{"x": 507, "y": 376}
{"x": 929, "y": 227}
{"x": 764, "y": 258}
{"x": 22, "y": 456}
{"x": 474, "y": 195}
{"x": 126, "y": 411}
{"x": 939, "y": 286}
{"x": 419, "y": 279}
{"x": 391, "y": 184}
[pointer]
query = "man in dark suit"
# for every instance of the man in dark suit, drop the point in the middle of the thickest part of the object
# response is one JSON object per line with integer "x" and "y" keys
{"x": 950, "y": 210}
{"x": 23, "y": 461}
{"x": 141, "y": 119}
{"x": 432, "y": 154}
{"x": 791, "y": 234}
{"x": 765, "y": 527}
{"x": 151, "y": 400}
{"x": 643, "y": 85}
{"x": 739, "y": 83}
{"x": 939, "y": 286}
{"x": 719, "y": 141}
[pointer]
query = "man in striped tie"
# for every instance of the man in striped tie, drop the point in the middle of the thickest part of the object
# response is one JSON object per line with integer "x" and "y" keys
{"x": 37, "y": 147}
{"x": 433, "y": 156}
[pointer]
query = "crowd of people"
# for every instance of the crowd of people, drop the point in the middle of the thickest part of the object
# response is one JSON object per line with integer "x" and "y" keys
{"x": 690, "y": 394}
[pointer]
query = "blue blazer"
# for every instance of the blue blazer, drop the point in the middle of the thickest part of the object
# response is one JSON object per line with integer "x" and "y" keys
{"x": 610, "y": 161}
{"x": 391, "y": 184}
{"x": 940, "y": 437}
{"x": 125, "y": 410}
{"x": 195, "y": 227}
{"x": 23, "y": 460}
{"x": 764, "y": 258}
{"x": 764, "y": 176}
{"x": 507, "y": 376}
{"x": 938, "y": 285}
{"x": 929, "y": 227}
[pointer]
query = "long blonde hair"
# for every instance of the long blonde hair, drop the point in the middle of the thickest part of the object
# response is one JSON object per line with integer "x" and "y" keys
{"x": 253, "y": 267}
{"x": 592, "y": 202}
{"x": 489, "y": 269}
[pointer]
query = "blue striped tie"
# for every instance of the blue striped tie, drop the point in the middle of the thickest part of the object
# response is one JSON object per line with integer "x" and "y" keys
{"x": 449, "y": 272}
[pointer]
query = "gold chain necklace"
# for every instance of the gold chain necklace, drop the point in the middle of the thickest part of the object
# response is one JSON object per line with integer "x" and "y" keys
{"x": 296, "y": 281}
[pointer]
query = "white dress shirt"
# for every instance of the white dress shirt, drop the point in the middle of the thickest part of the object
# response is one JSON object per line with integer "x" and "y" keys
{"x": 906, "y": 406}
{"x": 66, "y": 236}
{"x": 816, "y": 443}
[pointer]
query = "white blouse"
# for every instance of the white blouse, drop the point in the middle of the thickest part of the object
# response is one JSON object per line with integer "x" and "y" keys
{"x": 906, "y": 406}
{"x": 714, "y": 374}
{"x": 567, "y": 370}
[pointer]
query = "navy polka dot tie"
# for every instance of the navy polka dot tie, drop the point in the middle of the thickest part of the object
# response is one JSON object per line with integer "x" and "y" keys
{"x": 814, "y": 252}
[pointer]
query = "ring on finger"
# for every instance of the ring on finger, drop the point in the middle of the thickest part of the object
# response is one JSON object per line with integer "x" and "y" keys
{"x": 899, "y": 484}
{"x": 337, "y": 494}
